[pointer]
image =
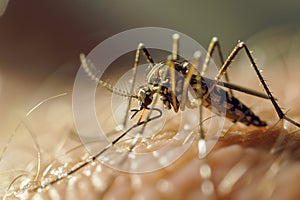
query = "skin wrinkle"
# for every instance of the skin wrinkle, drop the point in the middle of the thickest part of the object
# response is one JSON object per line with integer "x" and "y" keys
{"x": 238, "y": 143}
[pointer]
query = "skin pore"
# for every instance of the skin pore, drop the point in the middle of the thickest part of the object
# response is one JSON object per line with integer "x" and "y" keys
{"x": 246, "y": 162}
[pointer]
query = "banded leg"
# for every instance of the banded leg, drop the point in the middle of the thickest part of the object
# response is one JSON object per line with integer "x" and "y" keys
{"x": 207, "y": 186}
{"x": 199, "y": 88}
{"x": 150, "y": 60}
{"x": 214, "y": 44}
{"x": 222, "y": 71}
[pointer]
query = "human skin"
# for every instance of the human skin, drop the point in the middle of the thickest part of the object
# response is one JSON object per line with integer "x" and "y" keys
{"x": 243, "y": 152}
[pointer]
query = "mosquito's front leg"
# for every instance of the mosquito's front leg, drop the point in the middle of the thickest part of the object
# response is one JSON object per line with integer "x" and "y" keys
{"x": 150, "y": 60}
{"x": 214, "y": 44}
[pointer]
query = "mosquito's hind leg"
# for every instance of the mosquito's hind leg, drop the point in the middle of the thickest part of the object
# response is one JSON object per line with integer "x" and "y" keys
{"x": 214, "y": 44}
{"x": 222, "y": 71}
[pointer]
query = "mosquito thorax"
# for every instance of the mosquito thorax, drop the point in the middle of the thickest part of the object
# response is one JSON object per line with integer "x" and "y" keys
{"x": 159, "y": 73}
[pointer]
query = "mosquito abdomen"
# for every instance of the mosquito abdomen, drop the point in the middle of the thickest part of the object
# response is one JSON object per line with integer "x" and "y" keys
{"x": 232, "y": 108}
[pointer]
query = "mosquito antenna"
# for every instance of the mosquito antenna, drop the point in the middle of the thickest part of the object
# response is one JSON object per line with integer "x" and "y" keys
{"x": 90, "y": 70}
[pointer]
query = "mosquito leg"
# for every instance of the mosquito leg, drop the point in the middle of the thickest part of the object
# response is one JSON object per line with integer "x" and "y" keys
{"x": 146, "y": 53}
{"x": 207, "y": 186}
{"x": 214, "y": 44}
{"x": 222, "y": 71}
{"x": 185, "y": 100}
{"x": 172, "y": 69}
{"x": 199, "y": 88}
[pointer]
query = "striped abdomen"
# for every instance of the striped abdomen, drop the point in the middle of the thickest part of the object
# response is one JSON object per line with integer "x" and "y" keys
{"x": 221, "y": 103}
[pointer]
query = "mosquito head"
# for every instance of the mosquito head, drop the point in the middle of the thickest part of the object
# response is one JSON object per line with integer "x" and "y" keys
{"x": 144, "y": 96}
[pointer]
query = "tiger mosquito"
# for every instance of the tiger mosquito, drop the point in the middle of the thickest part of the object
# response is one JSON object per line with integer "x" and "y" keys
{"x": 203, "y": 87}
{"x": 162, "y": 82}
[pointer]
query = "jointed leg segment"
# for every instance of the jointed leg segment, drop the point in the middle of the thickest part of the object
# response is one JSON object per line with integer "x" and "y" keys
{"x": 214, "y": 44}
{"x": 222, "y": 71}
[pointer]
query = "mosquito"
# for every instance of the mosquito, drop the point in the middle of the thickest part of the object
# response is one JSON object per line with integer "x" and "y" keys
{"x": 174, "y": 95}
{"x": 162, "y": 81}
